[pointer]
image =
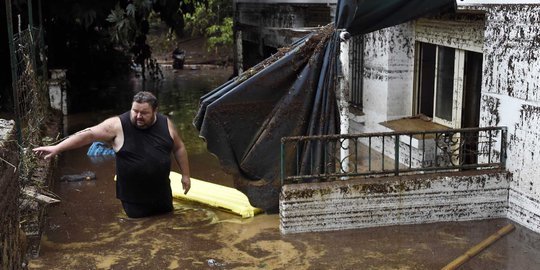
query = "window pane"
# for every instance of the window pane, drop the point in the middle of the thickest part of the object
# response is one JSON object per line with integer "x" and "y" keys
{"x": 445, "y": 83}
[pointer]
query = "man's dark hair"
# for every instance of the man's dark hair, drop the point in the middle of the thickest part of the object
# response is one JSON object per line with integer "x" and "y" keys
{"x": 146, "y": 97}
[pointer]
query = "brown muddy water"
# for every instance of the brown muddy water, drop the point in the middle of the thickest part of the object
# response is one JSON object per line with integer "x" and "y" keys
{"x": 88, "y": 229}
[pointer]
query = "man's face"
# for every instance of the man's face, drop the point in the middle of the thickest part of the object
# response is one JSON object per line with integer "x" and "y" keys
{"x": 142, "y": 115}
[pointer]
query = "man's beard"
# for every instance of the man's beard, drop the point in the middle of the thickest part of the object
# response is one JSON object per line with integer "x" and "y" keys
{"x": 141, "y": 124}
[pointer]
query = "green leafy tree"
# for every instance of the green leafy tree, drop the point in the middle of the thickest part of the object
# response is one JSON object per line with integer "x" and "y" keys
{"x": 212, "y": 19}
{"x": 199, "y": 20}
{"x": 130, "y": 21}
{"x": 221, "y": 34}
{"x": 208, "y": 18}
{"x": 94, "y": 36}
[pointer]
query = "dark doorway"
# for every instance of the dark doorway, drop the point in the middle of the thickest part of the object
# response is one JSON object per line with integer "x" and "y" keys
{"x": 470, "y": 114}
{"x": 426, "y": 79}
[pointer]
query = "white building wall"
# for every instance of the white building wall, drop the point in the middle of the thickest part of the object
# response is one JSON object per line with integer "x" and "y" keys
{"x": 466, "y": 32}
{"x": 401, "y": 64}
{"x": 57, "y": 90}
{"x": 509, "y": 39}
{"x": 389, "y": 63}
{"x": 388, "y": 71}
{"x": 374, "y": 202}
{"x": 511, "y": 97}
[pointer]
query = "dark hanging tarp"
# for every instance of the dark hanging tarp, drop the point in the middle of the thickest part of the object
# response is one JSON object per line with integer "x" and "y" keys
{"x": 288, "y": 94}
{"x": 292, "y": 93}
{"x": 363, "y": 16}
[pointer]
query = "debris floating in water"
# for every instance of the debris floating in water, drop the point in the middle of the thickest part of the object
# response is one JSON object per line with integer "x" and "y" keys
{"x": 214, "y": 263}
{"x": 86, "y": 175}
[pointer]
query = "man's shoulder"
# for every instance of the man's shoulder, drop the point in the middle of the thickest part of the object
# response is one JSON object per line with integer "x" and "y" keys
{"x": 113, "y": 122}
{"x": 115, "y": 118}
{"x": 121, "y": 117}
{"x": 163, "y": 116}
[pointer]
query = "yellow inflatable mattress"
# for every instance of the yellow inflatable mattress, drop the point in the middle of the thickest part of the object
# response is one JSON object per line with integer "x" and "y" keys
{"x": 226, "y": 198}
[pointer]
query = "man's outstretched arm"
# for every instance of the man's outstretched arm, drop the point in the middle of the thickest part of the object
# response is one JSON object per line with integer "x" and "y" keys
{"x": 106, "y": 131}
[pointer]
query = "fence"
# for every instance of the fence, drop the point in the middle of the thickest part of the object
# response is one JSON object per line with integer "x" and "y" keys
{"x": 30, "y": 97}
{"x": 31, "y": 110}
{"x": 333, "y": 157}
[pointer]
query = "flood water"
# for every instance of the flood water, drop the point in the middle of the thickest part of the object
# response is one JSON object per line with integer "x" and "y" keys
{"x": 88, "y": 229}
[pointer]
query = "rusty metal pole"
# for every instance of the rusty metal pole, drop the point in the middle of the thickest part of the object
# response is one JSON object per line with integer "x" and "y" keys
{"x": 504, "y": 143}
{"x": 13, "y": 60}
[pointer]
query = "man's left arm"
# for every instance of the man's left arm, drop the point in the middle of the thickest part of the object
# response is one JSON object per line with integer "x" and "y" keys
{"x": 181, "y": 156}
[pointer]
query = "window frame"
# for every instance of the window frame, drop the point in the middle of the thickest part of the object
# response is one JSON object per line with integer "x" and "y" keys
{"x": 457, "y": 89}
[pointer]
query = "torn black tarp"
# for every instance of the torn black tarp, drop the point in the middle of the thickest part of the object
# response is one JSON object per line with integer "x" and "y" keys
{"x": 363, "y": 16}
{"x": 244, "y": 120}
{"x": 292, "y": 93}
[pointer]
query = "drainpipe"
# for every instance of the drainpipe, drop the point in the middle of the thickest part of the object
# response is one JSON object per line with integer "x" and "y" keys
{"x": 343, "y": 97}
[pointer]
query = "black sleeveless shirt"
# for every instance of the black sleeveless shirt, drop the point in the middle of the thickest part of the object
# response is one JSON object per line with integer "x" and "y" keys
{"x": 143, "y": 163}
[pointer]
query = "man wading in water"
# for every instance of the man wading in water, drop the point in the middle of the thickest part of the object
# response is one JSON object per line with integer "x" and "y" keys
{"x": 143, "y": 141}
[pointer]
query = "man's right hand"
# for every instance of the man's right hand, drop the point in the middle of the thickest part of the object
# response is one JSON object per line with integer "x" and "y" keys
{"x": 186, "y": 183}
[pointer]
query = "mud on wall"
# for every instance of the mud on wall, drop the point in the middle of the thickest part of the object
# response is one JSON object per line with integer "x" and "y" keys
{"x": 363, "y": 203}
{"x": 11, "y": 240}
{"x": 510, "y": 97}
{"x": 389, "y": 59}
{"x": 388, "y": 75}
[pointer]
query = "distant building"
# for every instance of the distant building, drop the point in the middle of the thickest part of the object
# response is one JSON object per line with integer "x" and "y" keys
{"x": 262, "y": 26}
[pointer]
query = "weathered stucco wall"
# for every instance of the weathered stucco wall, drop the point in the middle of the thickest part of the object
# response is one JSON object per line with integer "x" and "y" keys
{"x": 11, "y": 238}
{"x": 511, "y": 97}
{"x": 388, "y": 201}
{"x": 388, "y": 75}
{"x": 464, "y": 31}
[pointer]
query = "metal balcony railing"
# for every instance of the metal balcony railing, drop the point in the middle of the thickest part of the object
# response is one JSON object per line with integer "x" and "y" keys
{"x": 334, "y": 157}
